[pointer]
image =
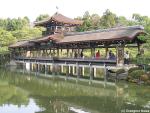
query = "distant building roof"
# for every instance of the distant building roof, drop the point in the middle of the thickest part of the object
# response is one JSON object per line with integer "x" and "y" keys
{"x": 120, "y": 33}
{"x": 57, "y": 17}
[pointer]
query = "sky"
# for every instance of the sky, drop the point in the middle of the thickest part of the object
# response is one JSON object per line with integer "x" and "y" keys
{"x": 72, "y": 8}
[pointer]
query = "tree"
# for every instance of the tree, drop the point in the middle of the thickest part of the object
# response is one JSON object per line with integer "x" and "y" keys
{"x": 108, "y": 19}
{"x": 95, "y": 21}
{"x": 121, "y": 20}
{"x": 42, "y": 17}
{"x": 6, "y": 38}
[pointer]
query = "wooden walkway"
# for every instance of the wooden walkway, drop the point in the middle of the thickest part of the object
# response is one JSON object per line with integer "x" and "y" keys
{"x": 80, "y": 61}
{"x": 70, "y": 63}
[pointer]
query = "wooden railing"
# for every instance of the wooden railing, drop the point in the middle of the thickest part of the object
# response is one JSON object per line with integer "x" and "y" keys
{"x": 85, "y": 61}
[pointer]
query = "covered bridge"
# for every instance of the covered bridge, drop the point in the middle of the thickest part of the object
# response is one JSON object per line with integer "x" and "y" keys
{"x": 56, "y": 38}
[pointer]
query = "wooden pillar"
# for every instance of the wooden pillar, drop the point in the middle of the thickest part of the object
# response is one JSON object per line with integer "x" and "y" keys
{"x": 80, "y": 71}
{"x": 50, "y": 53}
{"x": 53, "y": 68}
{"x": 62, "y": 68}
{"x": 120, "y": 55}
{"x": 30, "y": 67}
{"x": 106, "y": 52}
{"x": 105, "y": 75}
{"x": 139, "y": 50}
{"x": 77, "y": 70}
{"x": 67, "y": 53}
{"x": 56, "y": 69}
{"x": 48, "y": 69}
{"x": 39, "y": 66}
{"x": 83, "y": 71}
{"x": 94, "y": 71}
{"x": 71, "y": 70}
{"x": 36, "y": 53}
{"x": 57, "y": 52}
{"x": 92, "y": 52}
{"x": 54, "y": 52}
{"x": 59, "y": 70}
{"x": 78, "y": 52}
{"x": 91, "y": 72}
{"x": 43, "y": 53}
{"x": 23, "y": 67}
{"x": 46, "y": 53}
{"x": 61, "y": 52}
{"x": 72, "y": 53}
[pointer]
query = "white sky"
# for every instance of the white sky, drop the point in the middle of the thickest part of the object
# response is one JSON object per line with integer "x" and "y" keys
{"x": 72, "y": 8}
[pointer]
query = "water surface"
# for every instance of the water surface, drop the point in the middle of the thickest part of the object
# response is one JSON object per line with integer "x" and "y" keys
{"x": 24, "y": 93}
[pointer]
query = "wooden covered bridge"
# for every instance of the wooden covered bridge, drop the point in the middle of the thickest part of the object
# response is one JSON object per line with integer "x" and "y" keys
{"x": 59, "y": 44}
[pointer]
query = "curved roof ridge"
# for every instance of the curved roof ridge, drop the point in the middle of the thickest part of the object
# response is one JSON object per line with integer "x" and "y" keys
{"x": 106, "y": 30}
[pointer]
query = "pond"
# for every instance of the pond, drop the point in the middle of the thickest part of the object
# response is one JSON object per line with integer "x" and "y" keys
{"x": 27, "y": 93}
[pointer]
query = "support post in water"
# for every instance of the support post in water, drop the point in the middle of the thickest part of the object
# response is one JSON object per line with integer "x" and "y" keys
{"x": 38, "y": 68}
{"x": 45, "y": 69}
{"x": 71, "y": 70}
{"x": 105, "y": 74}
{"x": 91, "y": 73}
{"x": 59, "y": 70}
{"x": 24, "y": 67}
{"x": 30, "y": 68}
{"x": 53, "y": 68}
{"x": 77, "y": 70}
{"x": 67, "y": 71}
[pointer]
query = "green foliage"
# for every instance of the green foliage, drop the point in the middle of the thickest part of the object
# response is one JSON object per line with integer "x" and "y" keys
{"x": 143, "y": 60}
{"x": 108, "y": 19}
{"x": 12, "y": 30}
{"x": 121, "y": 20}
{"x": 142, "y": 38}
{"x": 14, "y": 24}
{"x": 136, "y": 74}
{"x": 134, "y": 69}
{"x": 119, "y": 71}
{"x": 6, "y": 38}
{"x": 42, "y": 17}
{"x": 27, "y": 33}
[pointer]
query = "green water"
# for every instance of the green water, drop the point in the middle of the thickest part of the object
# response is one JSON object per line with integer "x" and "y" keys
{"x": 22, "y": 93}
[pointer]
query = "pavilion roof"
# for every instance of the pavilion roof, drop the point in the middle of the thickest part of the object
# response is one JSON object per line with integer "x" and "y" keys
{"x": 57, "y": 17}
{"x": 120, "y": 33}
{"x": 113, "y": 34}
{"x": 31, "y": 42}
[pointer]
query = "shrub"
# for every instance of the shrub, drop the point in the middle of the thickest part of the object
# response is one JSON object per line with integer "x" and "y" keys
{"x": 136, "y": 74}
{"x": 134, "y": 69}
{"x": 144, "y": 77}
{"x": 119, "y": 71}
{"x": 148, "y": 82}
